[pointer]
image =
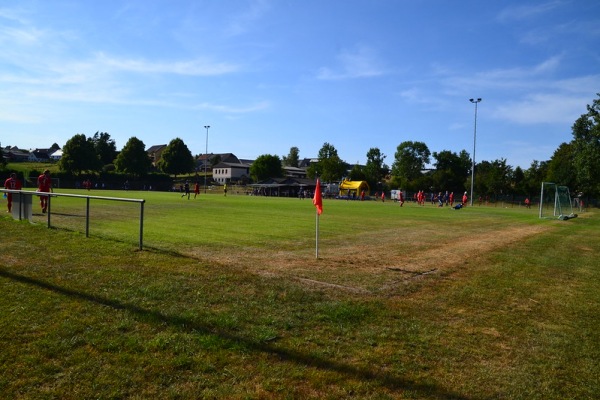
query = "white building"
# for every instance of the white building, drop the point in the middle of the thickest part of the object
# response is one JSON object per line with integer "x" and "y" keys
{"x": 225, "y": 172}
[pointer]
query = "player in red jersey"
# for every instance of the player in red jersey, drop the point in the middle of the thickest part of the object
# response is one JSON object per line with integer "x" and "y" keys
{"x": 11, "y": 183}
{"x": 44, "y": 185}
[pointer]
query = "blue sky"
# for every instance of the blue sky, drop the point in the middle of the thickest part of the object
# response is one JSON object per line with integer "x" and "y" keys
{"x": 267, "y": 75}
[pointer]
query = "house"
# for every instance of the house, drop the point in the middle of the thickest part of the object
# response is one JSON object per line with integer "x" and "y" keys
{"x": 155, "y": 152}
{"x": 57, "y": 155}
{"x": 225, "y": 172}
{"x": 39, "y": 155}
{"x": 294, "y": 172}
{"x": 14, "y": 154}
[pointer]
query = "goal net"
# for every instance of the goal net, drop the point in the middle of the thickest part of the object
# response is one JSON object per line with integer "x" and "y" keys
{"x": 555, "y": 201}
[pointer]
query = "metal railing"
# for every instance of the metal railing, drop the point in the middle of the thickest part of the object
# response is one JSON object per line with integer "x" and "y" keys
{"x": 24, "y": 213}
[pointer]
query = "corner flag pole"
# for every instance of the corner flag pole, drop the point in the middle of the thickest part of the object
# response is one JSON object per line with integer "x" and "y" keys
{"x": 318, "y": 202}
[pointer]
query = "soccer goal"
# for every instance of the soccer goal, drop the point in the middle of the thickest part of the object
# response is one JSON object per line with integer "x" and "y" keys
{"x": 555, "y": 201}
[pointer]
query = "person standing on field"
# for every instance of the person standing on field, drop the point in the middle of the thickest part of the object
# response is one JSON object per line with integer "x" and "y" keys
{"x": 196, "y": 189}
{"x": 44, "y": 185}
{"x": 465, "y": 198}
{"x": 11, "y": 183}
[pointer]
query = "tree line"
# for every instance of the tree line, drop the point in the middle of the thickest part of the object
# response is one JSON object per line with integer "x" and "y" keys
{"x": 573, "y": 164}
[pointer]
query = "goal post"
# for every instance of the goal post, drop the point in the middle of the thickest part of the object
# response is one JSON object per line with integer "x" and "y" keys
{"x": 555, "y": 201}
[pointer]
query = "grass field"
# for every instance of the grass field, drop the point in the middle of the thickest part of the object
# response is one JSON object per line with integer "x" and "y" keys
{"x": 227, "y": 300}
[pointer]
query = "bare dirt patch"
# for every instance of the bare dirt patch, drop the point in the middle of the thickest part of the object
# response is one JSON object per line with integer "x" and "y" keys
{"x": 378, "y": 263}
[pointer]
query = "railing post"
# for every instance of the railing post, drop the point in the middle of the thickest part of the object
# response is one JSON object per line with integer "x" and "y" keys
{"x": 142, "y": 224}
{"x": 87, "y": 217}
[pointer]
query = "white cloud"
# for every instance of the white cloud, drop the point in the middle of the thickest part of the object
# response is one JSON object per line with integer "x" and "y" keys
{"x": 542, "y": 109}
{"x": 359, "y": 63}
{"x": 191, "y": 67}
{"x": 527, "y": 11}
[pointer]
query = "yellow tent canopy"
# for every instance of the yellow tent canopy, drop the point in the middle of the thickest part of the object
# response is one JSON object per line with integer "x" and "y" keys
{"x": 353, "y": 188}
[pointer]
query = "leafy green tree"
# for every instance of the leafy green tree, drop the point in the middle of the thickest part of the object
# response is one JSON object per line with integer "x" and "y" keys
{"x": 266, "y": 166}
{"x": 561, "y": 167}
{"x": 293, "y": 158}
{"x": 357, "y": 174}
{"x": 375, "y": 170}
{"x": 329, "y": 167}
{"x": 409, "y": 162}
{"x": 518, "y": 180}
{"x": 451, "y": 170}
{"x": 2, "y": 160}
{"x": 534, "y": 176}
{"x": 493, "y": 178}
{"x": 176, "y": 159}
{"x": 79, "y": 156}
{"x": 586, "y": 149}
{"x": 133, "y": 158}
{"x": 105, "y": 147}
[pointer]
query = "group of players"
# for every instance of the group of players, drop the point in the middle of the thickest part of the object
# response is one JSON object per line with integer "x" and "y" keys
{"x": 442, "y": 199}
{"x": 44, "y": 183}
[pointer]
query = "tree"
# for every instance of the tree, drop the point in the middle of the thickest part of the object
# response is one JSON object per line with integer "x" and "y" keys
{"x": 561, "y": 168}
{"x": 79, "y": 156}
{"x": 586, "y": 149}
{"x": 329, "y": 167}
{"x": 133, "y": 159}
{"x": 176, "y": 158}
{"x": 357, "y": 173}
{"x": 105, "y": 147}
{"x": 451, "y": 170}
{"x": 409, "y": 162}
{"x": 375, "y": 170}
{"x": 292, "y": 159}
{"x": 266, "y": 166}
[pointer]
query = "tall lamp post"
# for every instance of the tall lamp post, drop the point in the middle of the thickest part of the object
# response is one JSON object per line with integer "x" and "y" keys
{"x": 206, "y": 157}
{"x": 474, "y": 101}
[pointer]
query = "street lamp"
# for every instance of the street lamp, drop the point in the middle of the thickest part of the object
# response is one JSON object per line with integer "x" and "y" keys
{"x": 474, "y": 142}
{"x": 206, "y": 157}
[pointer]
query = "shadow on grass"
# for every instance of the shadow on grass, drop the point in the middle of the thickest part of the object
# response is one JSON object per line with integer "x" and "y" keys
{"x": 187, "y": 325}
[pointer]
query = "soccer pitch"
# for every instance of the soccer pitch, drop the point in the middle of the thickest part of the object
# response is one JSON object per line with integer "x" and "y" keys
{"x": 227, "y": 300}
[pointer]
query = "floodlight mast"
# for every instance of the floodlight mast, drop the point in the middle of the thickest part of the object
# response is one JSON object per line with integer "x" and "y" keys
{"x": 206, "y": 156}
{"x": 474, "y": 101}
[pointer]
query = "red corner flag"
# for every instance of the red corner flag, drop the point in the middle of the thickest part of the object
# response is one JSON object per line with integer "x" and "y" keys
{"x": 318, "y": 200}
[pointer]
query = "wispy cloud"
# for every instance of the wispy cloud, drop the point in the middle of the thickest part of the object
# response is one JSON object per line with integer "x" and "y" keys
{"x": 196, "y": 67}
{"x": 361, "y": 62}
{"x": 233, "y": 110}
{"x": 243, "y": 21}
{"x": 527, "y": 11}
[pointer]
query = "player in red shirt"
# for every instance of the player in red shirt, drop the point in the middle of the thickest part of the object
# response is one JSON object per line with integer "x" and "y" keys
{"x": 11, "y": 183}
{"x": 44, "y": 185}
{"x": 196, "y": 189}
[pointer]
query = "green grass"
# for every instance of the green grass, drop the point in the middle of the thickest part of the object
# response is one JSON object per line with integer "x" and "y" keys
{"x": 228, "y": 301}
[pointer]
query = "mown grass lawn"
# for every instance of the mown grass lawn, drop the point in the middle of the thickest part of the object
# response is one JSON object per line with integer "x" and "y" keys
{"x": 227, "y": 300}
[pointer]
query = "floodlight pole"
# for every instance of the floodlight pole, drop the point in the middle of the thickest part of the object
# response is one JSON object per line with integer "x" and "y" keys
{"x": 474, "y": 101}
{"x": 206, "y": 156}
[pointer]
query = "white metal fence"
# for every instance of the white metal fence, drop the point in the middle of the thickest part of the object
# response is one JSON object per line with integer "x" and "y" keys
{"x": 22, "y": 204}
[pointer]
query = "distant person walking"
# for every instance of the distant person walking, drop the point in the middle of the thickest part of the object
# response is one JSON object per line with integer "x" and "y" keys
{"x": 196, "y": 189}
{"x": 225, "y": 190}
{"x": 12, "y": 183}
{"x": 44, "y": 185}
{"x": 465, "y": 198}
